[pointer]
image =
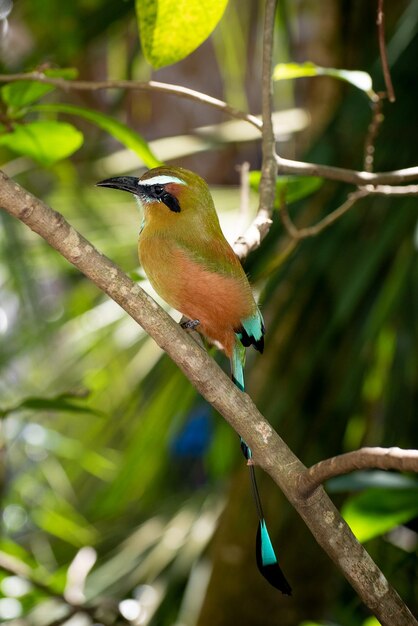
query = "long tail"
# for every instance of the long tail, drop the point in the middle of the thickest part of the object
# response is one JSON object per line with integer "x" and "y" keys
{"x": 266, "y": 557}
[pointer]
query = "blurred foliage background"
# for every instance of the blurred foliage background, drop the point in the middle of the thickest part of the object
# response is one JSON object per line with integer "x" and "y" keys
{"x": 121, "y": 488}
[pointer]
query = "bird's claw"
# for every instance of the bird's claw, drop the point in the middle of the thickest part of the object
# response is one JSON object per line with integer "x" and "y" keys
{"x": 189, "y": 324}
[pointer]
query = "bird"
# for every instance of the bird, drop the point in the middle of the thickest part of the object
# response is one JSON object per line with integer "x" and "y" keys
{"x": 191, "y": 265}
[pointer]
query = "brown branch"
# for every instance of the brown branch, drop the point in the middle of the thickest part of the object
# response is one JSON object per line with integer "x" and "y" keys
{"x": 152, "y": 85}
{"x": 380, "y": 21}
{"x": 260, "y": 226}
{"x": 285, "y": 166}
{"x": 311, "y": 231}
{"x": 365, "y": 458}
{"x": 391, "y": 190}
{"x": 269, "y": 450}
{"x": 352, "y": 177}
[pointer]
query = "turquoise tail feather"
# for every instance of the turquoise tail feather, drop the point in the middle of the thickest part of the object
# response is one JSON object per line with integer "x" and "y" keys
{"x": 265, "y": 555}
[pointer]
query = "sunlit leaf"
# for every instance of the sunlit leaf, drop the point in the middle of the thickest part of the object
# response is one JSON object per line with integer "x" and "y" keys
{"x": 23, "y": 93}
{"x": 119, "y": 131}
{"x": 172, "y": 29}
{"x": 295, "y": 187}
{"x": 361, "y": 80}
{"x": 376, "y": 511}
{"x": 70, "y": 527}
{"x": 44, "y": 141}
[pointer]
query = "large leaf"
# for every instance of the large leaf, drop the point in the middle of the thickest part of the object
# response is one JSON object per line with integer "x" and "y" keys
{"x": 361, "y": 80}
{"x": 294, "y": 187}
{"x": 118, "y": 130}
{"x": 44, "y": 141}
{"x": 172, "y": 29}
{"x": 376, "y": 511}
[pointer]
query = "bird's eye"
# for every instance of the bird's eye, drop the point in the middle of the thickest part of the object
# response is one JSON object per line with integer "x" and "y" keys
{"x": 158, "y": 190}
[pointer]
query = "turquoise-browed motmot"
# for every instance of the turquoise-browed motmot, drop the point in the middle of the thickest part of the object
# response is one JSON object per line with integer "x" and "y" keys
{"x": 193, "y": 268}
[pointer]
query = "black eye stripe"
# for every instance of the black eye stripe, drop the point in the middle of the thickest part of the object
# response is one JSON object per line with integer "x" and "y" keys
{"x": 171, "y": 202}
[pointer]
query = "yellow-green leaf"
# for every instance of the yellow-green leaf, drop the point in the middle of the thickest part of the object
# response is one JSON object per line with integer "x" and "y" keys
{"x": 361, "y": 80}
{"x": 376, "y": 511}
{"x": 44, "y": 141}
{"x": 294, "y": 187}
{"x": 172, "y": 29}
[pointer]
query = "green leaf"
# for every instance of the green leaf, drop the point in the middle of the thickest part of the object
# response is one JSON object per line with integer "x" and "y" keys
{"x": 295, "y": 187}
{"x": 361, "y": 80}
{"x": 44, "y": 141}
{"x": 376, "y": 479}
{"x": 119, "y": 131}
{"x": 376, "y": 511}
{"x": 171, "y": 29}
{"x": 23, "y": 93}
{"x": 68, "y": 525}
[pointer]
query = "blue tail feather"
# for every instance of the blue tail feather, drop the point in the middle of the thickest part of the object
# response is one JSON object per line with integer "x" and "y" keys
{"x": 267, "y": 561}
{"x": 252, "y": 332}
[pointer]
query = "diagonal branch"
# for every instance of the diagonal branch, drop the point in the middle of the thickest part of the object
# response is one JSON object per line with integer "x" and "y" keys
{"x": 312, "y": 231}
{"x": 368, "y": 190}
{"x": 270, "y": 451}
{"x": 365, "y": 458}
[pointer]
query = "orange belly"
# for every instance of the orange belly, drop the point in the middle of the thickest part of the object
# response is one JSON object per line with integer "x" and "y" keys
{"x": 220, "y": 302}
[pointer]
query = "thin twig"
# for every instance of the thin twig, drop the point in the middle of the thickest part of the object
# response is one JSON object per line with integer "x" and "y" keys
{"x": 286, "y": 166}
{"x": 364, "y": 458}
{"x": 244, "y": 203}
{"x": 372, "y": 132}
{"x": 311, "y": 231}
{"x": 380, "y": 21}
{"x": 152, "y": 85}
{"x": 353, "y": 177}
{"x": 391, "y": 190}
{"x": 260, "y": 226}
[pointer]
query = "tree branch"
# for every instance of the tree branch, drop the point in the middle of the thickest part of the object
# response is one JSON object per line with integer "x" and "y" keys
{"x": 152, "y": 85}
{"x": 365, "y": 458}
{"x": 269, "y": 450}
{"x": 382, "y": 48}
{"x": 352, "y": 177}
{"x": 285, "y": 166}
{"x": 260, "y": 226}
{"x": 311, "y": 231}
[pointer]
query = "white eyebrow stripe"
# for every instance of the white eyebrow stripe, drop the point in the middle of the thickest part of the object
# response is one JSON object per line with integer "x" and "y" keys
{"x": 162, "y": 180}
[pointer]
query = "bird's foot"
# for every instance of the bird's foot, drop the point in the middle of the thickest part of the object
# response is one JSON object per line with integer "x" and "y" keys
{"x": 189, "y": 324}
{"x": 250, "y": 461}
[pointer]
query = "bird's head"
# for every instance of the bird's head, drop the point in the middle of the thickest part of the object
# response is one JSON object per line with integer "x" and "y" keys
{"x": 168, "y": 195}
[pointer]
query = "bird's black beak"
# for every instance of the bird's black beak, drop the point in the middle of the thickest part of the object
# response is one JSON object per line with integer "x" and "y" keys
{"x": 124, "y": 183}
